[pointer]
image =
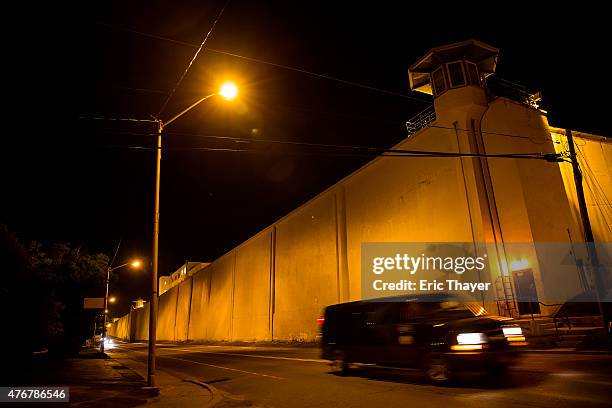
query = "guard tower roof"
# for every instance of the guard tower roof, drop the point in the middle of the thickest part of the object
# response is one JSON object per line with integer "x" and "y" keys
{"x": 483, "y": 55}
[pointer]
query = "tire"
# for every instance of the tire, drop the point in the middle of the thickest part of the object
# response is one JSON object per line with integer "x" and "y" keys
{"x": 340, "y": 364}
{"x": 438, "y": 370}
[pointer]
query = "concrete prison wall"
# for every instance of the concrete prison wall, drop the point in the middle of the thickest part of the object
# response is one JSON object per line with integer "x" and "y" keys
{"x": 276, "y": 284}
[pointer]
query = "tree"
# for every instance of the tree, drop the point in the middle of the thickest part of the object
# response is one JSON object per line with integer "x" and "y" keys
{"x": 42, "y": 293}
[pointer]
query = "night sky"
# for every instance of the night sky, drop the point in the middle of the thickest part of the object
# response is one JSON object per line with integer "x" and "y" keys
{"x": 68, "y": 178}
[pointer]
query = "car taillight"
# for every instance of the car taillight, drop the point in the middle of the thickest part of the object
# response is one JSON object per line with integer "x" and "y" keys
{"x": 320, "y": 320}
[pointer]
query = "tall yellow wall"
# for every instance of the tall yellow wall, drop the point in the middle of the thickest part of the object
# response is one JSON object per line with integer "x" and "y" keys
{"x": 141, "y": 323}
{"x": 181, "y": 326}
{"x": 199, "y": 313}
{"x": 595, "y": 159}
{"x": 166, "y": 315}
{"x": 275, "y": 285}
{"x": 251, "y": 318}
{"x": 306, "y": 269}
{"x": 219, "y": 321}
{"x": 121, "y": 328}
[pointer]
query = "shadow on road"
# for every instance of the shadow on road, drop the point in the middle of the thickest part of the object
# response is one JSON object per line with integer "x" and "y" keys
{"x": 510, "y": 379}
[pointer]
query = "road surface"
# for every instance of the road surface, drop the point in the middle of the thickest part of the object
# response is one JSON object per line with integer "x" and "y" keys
{"x": 296, "y": 377}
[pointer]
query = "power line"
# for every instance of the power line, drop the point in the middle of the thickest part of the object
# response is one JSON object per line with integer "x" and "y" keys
{"x": 323, "y": 76}
{"x": 111, "y": 119}
{"x": 600, "y": 199}
{"x": 260, "y": 61}
{"x": 147, "y": 90}
{"x": 367, "y": 152}
{"x": 192, "y": 59}
{"x": 534, "y": 155}
{"x": 494, "y": 133}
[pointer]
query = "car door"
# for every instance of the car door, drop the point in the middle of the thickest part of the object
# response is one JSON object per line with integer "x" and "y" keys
{"x": 409, "y": 333}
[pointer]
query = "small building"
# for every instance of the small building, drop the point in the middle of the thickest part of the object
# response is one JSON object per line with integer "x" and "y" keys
{"x": 189, "y": 268}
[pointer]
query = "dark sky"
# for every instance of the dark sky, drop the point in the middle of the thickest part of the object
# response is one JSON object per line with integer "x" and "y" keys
{"x": 75, "y": 180}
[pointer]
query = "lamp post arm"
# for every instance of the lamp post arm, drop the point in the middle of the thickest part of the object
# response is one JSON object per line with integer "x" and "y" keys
{"x": 175, "y": 117}
{"x": 118, "y": 267}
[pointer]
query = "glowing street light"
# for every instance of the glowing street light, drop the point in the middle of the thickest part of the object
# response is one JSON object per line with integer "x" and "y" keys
{"x": 228, "y": 91}
{"x": 133, "y": 264}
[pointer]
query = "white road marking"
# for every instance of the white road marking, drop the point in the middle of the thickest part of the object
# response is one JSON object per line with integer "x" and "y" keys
{"x": 217, "y": 366}
{"x": 225, "y": 368}
{"x": 309, "y": 360}
{"x": 575, "y": 377}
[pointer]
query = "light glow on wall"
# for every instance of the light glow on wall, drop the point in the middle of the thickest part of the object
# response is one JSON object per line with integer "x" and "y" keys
{"x": 519, "y": 264}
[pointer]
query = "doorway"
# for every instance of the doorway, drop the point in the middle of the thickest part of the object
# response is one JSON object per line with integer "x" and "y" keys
{"x": 526, "y": 294}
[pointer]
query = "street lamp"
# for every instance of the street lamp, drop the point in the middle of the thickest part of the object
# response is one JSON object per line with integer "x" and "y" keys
{"x": 229, "y": 91}
{"x": 133, "y": 264}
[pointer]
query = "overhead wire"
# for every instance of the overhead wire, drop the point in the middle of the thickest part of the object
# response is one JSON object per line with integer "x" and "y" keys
{"x": 261, "y": 61}
{"x": 178, "y": 83}
{"x": 600, "y": 198}
{"x": 530, "y": 155}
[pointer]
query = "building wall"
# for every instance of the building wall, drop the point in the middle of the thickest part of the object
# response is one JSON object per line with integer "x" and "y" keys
{"x": 166, "y": 317}
{"x": 251, "y": 318}
{"x": 183, "y": 312}
{"x": 221, "y": 300}
{"x": 199, "y": 313}
{"x": 275, "y": 285}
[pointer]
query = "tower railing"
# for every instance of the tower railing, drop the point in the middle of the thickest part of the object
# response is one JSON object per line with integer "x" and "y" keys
{"x": 421, "y": 120}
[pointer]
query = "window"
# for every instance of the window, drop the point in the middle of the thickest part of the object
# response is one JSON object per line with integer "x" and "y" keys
{"x": 438, "y": 81}
{"x": 472, "y": 74}
{"x": 455, "y": 74}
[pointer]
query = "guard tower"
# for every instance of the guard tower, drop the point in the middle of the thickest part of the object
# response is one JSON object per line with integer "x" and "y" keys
{"x": 454, "y": 74}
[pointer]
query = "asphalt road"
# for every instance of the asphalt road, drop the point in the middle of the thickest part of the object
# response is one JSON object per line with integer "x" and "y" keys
{"x": 296, "y": 377}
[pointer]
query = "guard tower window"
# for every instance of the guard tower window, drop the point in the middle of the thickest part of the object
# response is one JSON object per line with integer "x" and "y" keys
{"x": 438, "y": 81}
{"x": 472, "y": 73}
{"x": 455, "y": 74}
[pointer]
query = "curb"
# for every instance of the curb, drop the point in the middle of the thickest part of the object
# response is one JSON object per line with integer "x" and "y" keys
{"x": 216, "y": 395}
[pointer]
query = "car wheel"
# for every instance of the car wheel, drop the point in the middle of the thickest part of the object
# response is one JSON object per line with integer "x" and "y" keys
{"x": 438, "y": 370}
{"x": 340, "y": 364}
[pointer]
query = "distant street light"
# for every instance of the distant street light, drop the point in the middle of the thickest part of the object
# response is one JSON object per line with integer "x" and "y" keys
{"x": 112, "y": 299}
{"x": 133, "y": 264}
{"x": 229, "y": 91}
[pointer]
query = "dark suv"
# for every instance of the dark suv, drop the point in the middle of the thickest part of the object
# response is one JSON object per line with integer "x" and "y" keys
{"x": 439, "y": 333}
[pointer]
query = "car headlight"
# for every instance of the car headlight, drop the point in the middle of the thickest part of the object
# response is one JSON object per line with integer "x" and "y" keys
{"x": 470, "y": 342}
{"x": 471, "y": 338}
{"x": 515, "y": 336}
{"x": 512, "y": 331}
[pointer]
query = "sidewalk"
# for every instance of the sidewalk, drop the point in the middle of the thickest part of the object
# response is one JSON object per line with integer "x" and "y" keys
{"x": 96, "y": 380}
{"x": 173, "y": 391}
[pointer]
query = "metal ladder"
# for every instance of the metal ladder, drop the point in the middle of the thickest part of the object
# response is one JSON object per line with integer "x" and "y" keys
{"x": 506, "y": 302}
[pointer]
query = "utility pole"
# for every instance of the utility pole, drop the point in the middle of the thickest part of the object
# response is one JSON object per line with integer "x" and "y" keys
{"x": 153, "y": 303}
{"x": 228, "y": 91}
{"x": 108, "y": 271}
{"x": 588, "y": 232}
